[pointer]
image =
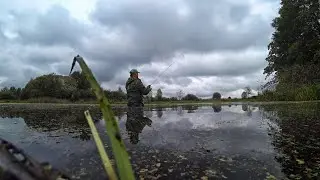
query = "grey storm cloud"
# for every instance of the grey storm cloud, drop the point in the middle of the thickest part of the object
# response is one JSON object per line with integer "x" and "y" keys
{"x": 56, "y": 26}
{"x": 6, "y": 68}
{"x": 157, "y": 29}
{"x": 159, "y": 25}
{"x": 183, "y": 81}
{"x": 124, "y": 33}
{"x": 226, "y": 69}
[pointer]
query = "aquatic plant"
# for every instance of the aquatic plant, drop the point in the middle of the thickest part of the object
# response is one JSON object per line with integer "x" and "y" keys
{"x": 118, "y": 148}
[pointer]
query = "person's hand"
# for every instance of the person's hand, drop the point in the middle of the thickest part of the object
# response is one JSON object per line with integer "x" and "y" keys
{"x": 149, "y": 86}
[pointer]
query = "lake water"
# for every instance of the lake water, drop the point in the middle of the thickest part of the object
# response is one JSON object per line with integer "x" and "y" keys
{"x": 179, "y": 142}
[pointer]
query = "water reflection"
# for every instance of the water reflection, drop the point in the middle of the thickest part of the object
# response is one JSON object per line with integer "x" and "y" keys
{"x": 236, "y": 142}
{"x": 244, "y": 107}
{"x": 248, "y": 109}
{"x": 295, "y": 134}
{"x": 41, "y": 120}
{"x": 217, "y": 107}
{"x": 190, "y": 108}
{"x": 136, "y": 122}
{"x": 179, "y": 111}
{"x": 69, "y": 120}
{"x": 159, "y": 112}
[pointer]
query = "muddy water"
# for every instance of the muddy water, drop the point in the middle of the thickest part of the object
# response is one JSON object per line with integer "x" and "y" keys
{"x": 178, "y": 142}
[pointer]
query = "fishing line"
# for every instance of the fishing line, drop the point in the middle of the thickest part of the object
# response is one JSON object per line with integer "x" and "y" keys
{"x": 156, "y": 78}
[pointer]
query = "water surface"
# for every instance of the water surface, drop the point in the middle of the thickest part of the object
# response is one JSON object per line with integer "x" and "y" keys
{"x": 178, "y": 142}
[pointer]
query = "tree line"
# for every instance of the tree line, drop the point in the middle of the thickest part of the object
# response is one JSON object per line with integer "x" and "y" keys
{"x": 73, "y": 88}
{"x": 294, "y": 53}
{"x": 76, "y": 88}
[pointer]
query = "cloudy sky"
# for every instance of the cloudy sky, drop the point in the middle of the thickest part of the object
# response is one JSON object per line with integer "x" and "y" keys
{"x": 210, "y": 45}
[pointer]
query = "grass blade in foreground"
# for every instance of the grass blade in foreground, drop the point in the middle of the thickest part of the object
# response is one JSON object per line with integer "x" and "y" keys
{"x": 118, "y": 148}
{"x": 105, "y": 159}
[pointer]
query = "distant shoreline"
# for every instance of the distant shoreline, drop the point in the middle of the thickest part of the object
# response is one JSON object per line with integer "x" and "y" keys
{"x": 91, "y": 103}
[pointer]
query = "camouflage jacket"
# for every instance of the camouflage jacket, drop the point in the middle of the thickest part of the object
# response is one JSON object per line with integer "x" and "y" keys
{"x": 135, "y": 91}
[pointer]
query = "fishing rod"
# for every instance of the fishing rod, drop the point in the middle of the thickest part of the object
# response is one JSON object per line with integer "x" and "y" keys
{"x": 156, "y": 78}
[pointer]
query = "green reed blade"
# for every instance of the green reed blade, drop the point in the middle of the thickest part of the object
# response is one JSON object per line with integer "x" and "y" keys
{"x": 105, "y": 159}
{"x": 118, "y": 147}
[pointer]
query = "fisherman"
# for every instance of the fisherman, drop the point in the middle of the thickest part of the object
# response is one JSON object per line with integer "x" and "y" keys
{"x": 136, "y": 89}
{"x": 135, "y": 118}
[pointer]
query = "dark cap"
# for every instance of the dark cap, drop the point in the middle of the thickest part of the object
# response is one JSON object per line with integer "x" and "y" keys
{"x": 134, "y": 71}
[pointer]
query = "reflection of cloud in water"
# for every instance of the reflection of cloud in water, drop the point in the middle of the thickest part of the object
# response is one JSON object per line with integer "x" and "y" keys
{"x": 239, "y": 109}
{"x": 39, "y": 144}
{"x": 233, "y": 140}
{"x": 206, "y": 119}
{"x": 231, "y": 130}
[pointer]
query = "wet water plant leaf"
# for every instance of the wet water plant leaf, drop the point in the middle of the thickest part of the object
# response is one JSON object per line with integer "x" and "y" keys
{"x": 118, "y": 148}
{"x": 300, "y": 161}
{"x": 105, "y": 159}
{"x": 223, "y": 176}
{"x": 270, "y": 177}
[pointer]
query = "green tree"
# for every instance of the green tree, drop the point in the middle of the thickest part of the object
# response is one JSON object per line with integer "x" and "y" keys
{"x": 216, "y": 95}
{"x": 50, "y": 85}
{"x": 18, "y": 93}
{"x": 121, "y": 94}
{"x": 82, "y": 82}
{"x": 8, "y": 93}
{"x": 159, "y": 94}
{"x": 248, "y": 90}
{"x": 190, "y": 97}
{"x": 150, "y": 96}
{"x": 244, "y": 95}
{"x": 294, "y": 52}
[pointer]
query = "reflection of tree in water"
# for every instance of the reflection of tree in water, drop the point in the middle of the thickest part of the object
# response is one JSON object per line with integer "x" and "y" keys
{"x": 216, "y": 107}
{"x": 159, "y": 111}
{"x": 135, "y": 123}
{"x": 295, "y": 133}
{"x": 179, "y": 111}
{"x": 148, "y": 114}
{"x": 68, "y": 119}
{"x": 119, "y": 112}
{"x": 247, "y": 109}
{"x": 190, "y": 108}
{"x": 174, "y": 107}
{"x": 244, "y": 107}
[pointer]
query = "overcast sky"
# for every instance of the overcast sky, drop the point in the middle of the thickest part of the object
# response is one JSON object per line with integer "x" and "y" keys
{"x": 211, "y": 45}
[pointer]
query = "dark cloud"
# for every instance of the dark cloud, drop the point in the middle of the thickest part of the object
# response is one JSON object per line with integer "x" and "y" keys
{"x": 55, "y": 26}
{"x": 239, "y": 12}
{"x": 132, "y": 33}
{"x": 225, "y": 70}
{"x": 6, "y": 68}
{"x": 159, "y": 25}
{"x": 156, "y": 29}
{"x": 171, "y": 81}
